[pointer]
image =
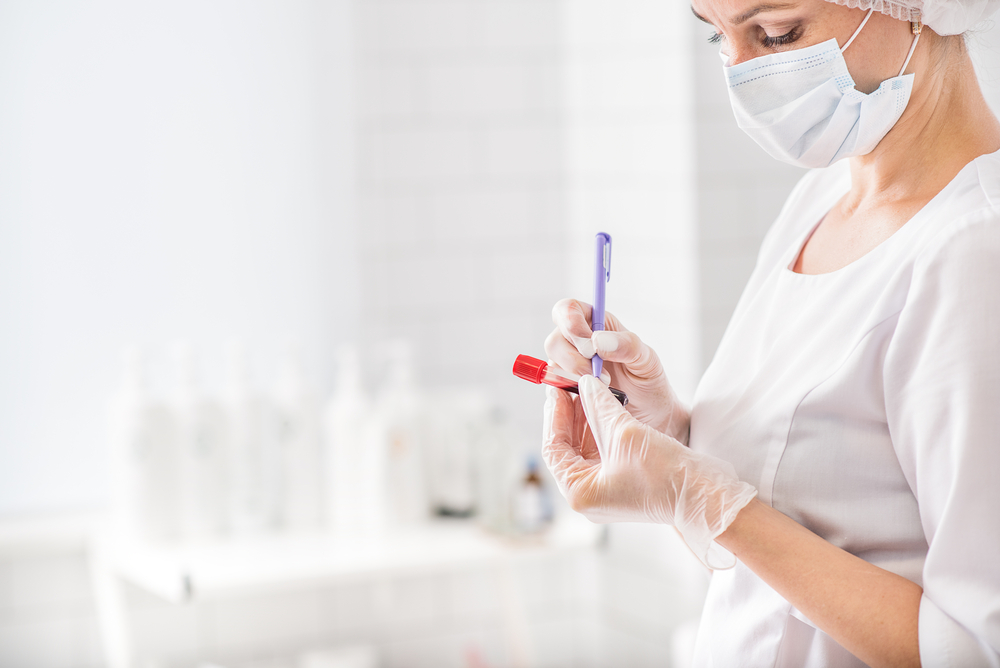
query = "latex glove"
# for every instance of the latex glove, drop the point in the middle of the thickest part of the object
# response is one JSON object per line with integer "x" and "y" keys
{"x": 613, "y": 468}
{"x": 629, "y": 365}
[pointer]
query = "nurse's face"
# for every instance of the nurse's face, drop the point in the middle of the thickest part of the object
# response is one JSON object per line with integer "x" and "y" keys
{"x": 747, "y": 29}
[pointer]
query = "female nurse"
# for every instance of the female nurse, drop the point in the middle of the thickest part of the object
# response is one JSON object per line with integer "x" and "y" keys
{"x": 840, "y": 464}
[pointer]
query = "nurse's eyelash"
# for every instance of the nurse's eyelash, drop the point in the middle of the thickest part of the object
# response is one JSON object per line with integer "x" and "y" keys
{"x": 715, "y": 38}
{"x": 789, "y": 37}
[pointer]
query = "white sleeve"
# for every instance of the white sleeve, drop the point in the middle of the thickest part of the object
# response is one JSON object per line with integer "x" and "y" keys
{"x": 942, "y": 392}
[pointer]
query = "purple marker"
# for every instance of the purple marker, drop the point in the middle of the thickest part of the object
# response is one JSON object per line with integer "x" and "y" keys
{"x": 602, "y": 274}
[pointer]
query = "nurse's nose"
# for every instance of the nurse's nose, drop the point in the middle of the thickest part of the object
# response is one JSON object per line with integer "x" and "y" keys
{"x": 736, "y": 56}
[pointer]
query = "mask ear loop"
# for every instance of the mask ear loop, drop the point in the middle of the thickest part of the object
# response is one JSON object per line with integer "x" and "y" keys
{"x": 858, "y": 31}
{"x": 915, "y": 28}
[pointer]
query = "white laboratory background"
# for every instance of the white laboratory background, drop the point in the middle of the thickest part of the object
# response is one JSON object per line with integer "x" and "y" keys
{"x": 322, "y": 230}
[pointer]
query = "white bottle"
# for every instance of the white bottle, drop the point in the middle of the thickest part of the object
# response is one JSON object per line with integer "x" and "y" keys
{"x": 200, "y": 433}
{"x": 250, "y": 456}
{"x": 143, "y": 458}
{"x": 355, "y": 457}
{"x": 401, "y": 426}
{"x": 296, "y": 413}
{"x": 456, "y": 422}
{"x": 499, "y": 473}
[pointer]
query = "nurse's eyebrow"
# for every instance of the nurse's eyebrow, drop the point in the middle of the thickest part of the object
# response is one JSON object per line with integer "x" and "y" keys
{"x": 749, "y": 14}
{"x": 699, "y": 16}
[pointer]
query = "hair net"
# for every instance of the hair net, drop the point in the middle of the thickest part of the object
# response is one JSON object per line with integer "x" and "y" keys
{"x": 945, "y": 17}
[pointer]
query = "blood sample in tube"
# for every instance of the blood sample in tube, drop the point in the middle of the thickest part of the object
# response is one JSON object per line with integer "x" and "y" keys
{"x": 537, "y": 371}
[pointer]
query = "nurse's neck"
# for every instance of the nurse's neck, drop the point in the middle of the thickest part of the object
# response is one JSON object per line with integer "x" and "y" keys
{"x": 946, "y": 125}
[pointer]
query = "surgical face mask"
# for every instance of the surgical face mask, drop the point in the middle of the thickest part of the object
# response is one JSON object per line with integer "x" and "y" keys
{"x": 802, "y": 108}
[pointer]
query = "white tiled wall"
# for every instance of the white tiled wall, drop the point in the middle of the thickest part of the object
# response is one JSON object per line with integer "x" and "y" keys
{"x": 460, "y": 184}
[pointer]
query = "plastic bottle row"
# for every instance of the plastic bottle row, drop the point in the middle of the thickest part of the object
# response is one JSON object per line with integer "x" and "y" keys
{"x": 192, "y": 466}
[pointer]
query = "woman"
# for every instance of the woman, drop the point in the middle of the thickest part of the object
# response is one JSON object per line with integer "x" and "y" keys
{"x": 844, "y": 443}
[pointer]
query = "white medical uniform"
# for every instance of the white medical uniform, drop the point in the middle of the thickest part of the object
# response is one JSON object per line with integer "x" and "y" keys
{"x": 865, "y": 404}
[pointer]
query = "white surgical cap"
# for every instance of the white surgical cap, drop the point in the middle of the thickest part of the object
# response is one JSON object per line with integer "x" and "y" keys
{"x": 945, "y": 17}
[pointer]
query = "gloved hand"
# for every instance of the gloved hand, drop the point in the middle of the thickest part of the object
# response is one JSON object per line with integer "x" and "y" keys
{"x": 629, "y": 365}
{"x": 613, "y": 468}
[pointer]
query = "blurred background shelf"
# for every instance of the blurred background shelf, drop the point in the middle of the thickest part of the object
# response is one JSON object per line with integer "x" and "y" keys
{"x": 273, "y": 562}
{"x": 46, "y": 533}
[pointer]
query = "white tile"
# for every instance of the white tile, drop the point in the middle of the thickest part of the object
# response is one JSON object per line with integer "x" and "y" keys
{"x": 626, "y": 24}
{"x": 475, "y": 87}
{"x": 518, "y": 24}
{"x": 522, "y": 273}
{"x": 664, "y": 213}
{"x": 417, "y": 155}
{"x": 770, "y": 196}
{"x": 728, "y": 214}
{"x": 667, "y": 271}
{"x": 386, "y": 90}
{"x": 375, "y": 287}
{"x": 725, "y": 149}
{"x": 524, "y": 151}
{"x": 553, "y": 212}
{"x": 484, "y": 213}
{"x": 651, "y": 152}
{"x": 661, "y": 151}
{"x": 712, "y": 329}
{"x": 547, "y": 85}
{"x": 434, "y": 280}
{"x": 640, "y": 85}
{"x": 393, "y": 218}
{"x": 468, "y": 342}
{"x": 403, "y": 26}
{"x": 723, "y": 277}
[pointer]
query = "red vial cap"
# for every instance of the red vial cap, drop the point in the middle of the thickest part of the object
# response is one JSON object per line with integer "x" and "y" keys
{"x": 529, "y": 368}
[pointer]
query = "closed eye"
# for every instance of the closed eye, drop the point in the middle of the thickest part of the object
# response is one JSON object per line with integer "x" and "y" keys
{"x": 789, "y": 37}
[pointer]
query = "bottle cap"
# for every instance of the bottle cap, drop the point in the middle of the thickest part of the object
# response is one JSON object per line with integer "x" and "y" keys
{"x": 529, "y": 368}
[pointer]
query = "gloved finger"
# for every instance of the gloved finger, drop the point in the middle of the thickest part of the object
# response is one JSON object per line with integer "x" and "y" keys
{"x": 560, "y": 451}
{"x": 583, "y": 435}
{"x": 572, "y": 319}
{"x": 564, "y": 355}
{"x": 628, "y": 349}
{"x": 604, "y": 415}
